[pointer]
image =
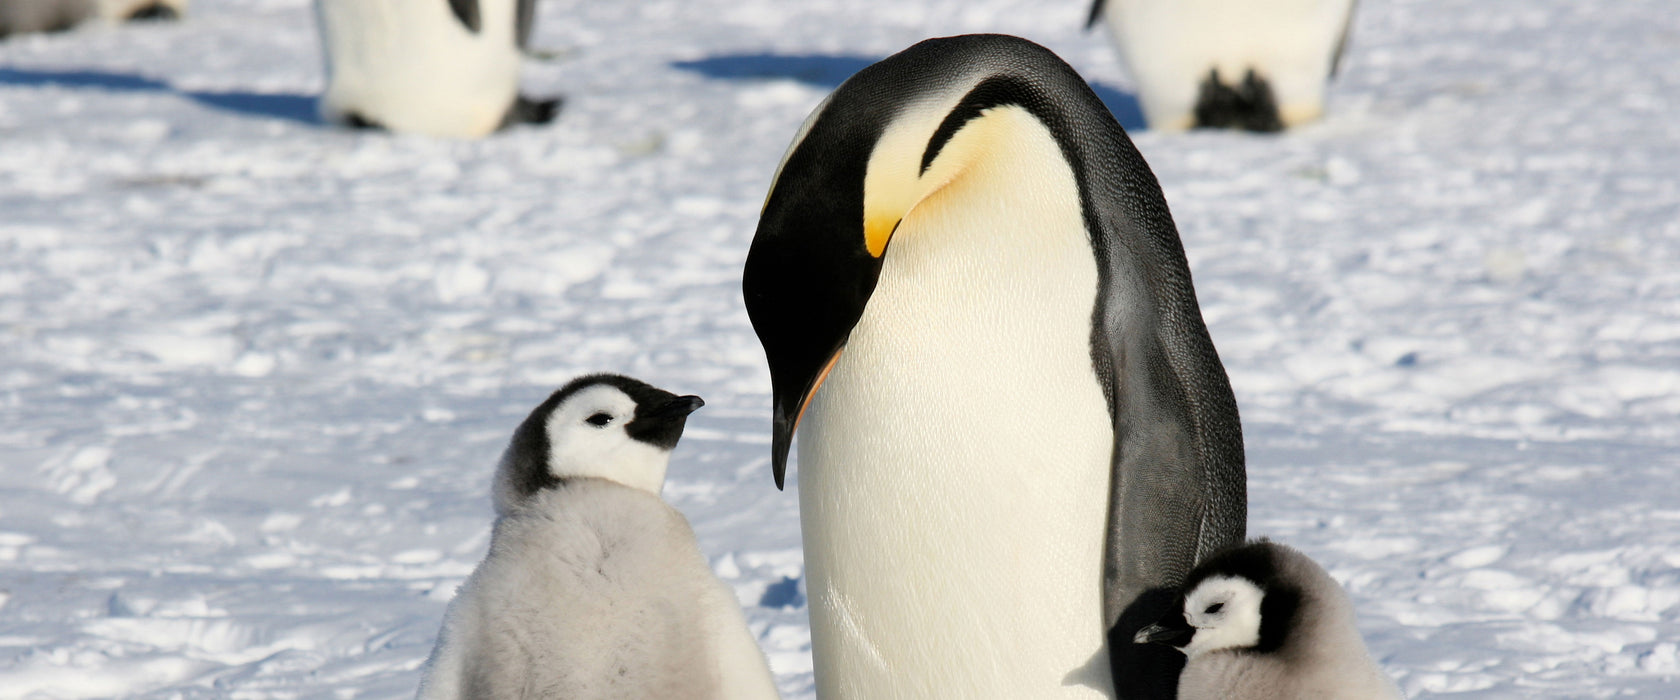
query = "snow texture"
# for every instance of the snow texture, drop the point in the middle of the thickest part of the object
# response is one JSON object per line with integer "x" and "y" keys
{"x": 255, "y": 372}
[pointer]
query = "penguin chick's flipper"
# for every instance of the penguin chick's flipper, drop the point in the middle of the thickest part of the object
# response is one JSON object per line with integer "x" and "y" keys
{"x": 1249, "y": 106}
{"x": 1144, "y": 671}
{"x": 528, "y": 111}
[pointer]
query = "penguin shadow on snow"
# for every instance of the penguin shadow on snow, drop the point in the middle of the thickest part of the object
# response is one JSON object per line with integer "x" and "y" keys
{"x": 830, "y": 71}
{"x": 283, "y": 106}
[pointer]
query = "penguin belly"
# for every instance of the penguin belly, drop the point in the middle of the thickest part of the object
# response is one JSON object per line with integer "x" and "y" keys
{"x": 1170, "y": 48}
{"x": 954, "y": 467}
{"x": 411, "y": 66}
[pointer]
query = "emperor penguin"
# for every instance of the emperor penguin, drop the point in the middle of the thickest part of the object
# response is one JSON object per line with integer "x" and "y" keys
{"x": 978, "y": 313}
{"x": 26, "y": 16}
{"x": 594, "y": 588}
{"x": 1263, "y": 621}
{"x": 435, "y": 67}
{"x": 1259, "y": 65}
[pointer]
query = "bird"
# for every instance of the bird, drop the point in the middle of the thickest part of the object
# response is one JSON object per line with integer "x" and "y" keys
{"x": 977, "y": 312}
{"x": 1259, "y": 65}
{"x": 436, "y": 67}
{"x": 27, "y": 16}
{"x": 594, "y": 587}
{"x": 1264, "y": 621}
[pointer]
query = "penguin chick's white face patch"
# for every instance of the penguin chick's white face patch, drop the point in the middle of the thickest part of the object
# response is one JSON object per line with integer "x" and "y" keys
{"x": 587, "y": 437}
{"x": 1225, "y": 610}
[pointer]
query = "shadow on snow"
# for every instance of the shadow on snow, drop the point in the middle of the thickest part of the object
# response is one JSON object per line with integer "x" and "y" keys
{"x": 296, "y": 108}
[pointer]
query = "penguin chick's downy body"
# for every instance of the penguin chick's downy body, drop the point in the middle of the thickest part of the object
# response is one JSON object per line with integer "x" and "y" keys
{"x": 434, "y": 67}
{"x": 593, "y": 586}
{"x": 1017, "y": 424}
{"x": 1259, "y": 65}
{"x": 25, "y": 16}
{"x": 1263, "y": 621}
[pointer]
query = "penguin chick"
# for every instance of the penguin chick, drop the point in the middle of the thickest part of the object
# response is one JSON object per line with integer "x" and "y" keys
{"x": 594, "y": 587}
{"x": 1263, "y": 621}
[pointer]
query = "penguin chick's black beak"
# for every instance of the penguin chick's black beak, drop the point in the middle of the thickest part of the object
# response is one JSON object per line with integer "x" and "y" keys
{"x": 662, "y": 424}
{"x": 1172, "y": 631}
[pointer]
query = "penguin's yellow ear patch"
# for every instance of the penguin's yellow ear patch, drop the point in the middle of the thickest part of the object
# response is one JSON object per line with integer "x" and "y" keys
{"x": 894, "y": 181}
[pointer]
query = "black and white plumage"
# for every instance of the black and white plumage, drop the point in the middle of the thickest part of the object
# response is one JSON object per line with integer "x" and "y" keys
{"x": 1263, "y": 621}
{"x": 594, "y": 587}
{"x": 26, "y": 16}
{"x": 435, "y": 67}
{"x": 1259, "y": 65}
{"x": 977, "y": 311}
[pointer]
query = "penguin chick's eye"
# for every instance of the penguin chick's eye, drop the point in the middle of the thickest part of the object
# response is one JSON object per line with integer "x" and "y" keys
{"x": 1216, "y": 607}
{"x": 599, "y": 420}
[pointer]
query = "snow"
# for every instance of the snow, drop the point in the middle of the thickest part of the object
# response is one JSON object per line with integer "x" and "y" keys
{"x": 255, "y": 372}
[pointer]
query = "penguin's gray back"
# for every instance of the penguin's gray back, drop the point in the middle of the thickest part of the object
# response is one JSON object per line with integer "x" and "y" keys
{"x": 590, "y": 590}
{"x": 24, "y": 16}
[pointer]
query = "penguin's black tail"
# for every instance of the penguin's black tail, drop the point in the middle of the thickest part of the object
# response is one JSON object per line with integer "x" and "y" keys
{"x": 1249, "y": 105}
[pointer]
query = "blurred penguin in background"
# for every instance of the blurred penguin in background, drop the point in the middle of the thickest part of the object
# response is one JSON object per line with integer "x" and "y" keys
{"x": 435, "y": 67}
{"x": 1259, "y": 65}
{"x": 26, "y": 16}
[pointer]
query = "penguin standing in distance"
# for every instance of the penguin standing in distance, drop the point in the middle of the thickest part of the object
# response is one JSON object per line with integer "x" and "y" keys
{"x": 1263, "y": 621}
{"x": 1259, "y": 65}
{"x": 27, "y": 16}
{"x": 1013, "y": 424}
{"x": 594, "y": 588}
{"x": 435, "y": 67}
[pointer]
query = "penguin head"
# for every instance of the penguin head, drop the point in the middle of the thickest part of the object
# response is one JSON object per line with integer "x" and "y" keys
{"x": 605, "y": 426}
{"x": 1240, "y": 599}
{"x": 882, "y": 146}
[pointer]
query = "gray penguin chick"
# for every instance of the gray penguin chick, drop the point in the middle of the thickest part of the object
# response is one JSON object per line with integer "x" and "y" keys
{"x": 1263, "y": 621}
{"x": 593, "y": 586}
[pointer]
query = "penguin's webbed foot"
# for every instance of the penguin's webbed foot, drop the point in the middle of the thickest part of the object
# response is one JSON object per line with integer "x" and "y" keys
{"x": 528, "y": 111}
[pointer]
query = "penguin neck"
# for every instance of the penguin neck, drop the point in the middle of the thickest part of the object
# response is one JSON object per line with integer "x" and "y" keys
{"x": 954, "y": 468}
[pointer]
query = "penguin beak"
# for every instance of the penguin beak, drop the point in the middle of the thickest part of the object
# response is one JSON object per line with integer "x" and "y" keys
{"x": 678, "y": 407}
{"x": 809, "y": 274}
{"x": 1173, "y": 631}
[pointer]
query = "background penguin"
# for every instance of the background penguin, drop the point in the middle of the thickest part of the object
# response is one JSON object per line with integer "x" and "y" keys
{"x": 436, "y": 67}
{"x": 1022, "y": 425}
{"x": 1259, "y": 65}
{"x": 1263, "y": 621}
{"x": 593, "y": 586}
{"x": 24, "y": 16}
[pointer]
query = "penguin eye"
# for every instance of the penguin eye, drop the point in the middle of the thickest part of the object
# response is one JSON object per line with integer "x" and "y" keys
{"x": 599, "y": 420}
{"x": 1216, "y": 607}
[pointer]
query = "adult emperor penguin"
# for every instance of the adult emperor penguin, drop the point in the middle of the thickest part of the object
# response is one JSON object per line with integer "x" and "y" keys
{"x": 978, "y": 313}
{"x": 594, "y": 588}
{"x": 1263, "y": 621}
{"x": 436, "y": 67}
{"x": 1259, "y": 65}
{"x": 25, "y": 16}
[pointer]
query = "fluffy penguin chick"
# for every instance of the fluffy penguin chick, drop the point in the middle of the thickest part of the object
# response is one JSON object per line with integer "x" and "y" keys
{"x": 593, "y": 586}
{"x": 1263, "y": 621}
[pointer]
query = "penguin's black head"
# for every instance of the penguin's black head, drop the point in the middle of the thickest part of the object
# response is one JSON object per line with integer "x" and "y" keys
{"x": 601, "y": 425}
{"x": 879, "y": 147}
{"x": 1238, "y": 599}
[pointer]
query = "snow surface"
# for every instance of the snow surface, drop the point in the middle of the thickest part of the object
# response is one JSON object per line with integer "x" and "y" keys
{"x": 255, "y": 372}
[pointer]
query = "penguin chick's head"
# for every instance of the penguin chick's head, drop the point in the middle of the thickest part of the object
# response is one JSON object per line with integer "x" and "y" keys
{"x": 1236, "y": 600}
{"x": 606, "y": 426}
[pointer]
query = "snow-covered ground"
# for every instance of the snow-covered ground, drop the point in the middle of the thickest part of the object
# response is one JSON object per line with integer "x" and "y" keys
{"x": 255, "y": 372}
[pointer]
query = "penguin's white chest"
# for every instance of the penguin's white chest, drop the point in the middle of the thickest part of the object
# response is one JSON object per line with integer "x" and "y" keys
{"x": 954, "y": 468}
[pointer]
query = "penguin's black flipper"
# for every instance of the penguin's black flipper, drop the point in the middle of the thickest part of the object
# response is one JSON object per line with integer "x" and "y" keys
{"x": 1096, "y": 12}
{"x": 525, "y": 110}
{"x": 467, "y": 12}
